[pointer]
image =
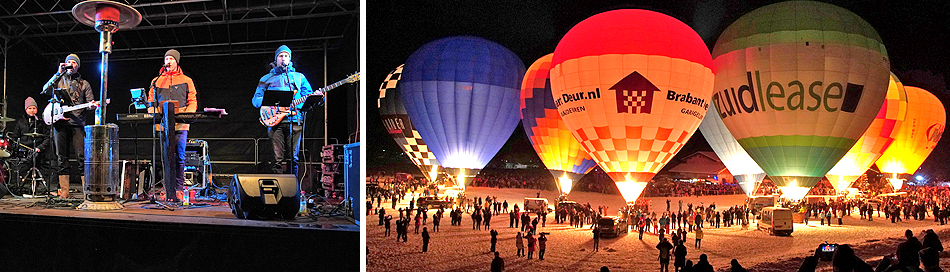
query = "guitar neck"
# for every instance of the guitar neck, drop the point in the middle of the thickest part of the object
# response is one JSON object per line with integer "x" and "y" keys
{"x": 80, "y": 106}
{"x": 300, "y": 100}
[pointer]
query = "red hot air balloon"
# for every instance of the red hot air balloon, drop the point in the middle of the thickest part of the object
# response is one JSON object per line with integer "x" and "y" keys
{"x": 632, "y": 86}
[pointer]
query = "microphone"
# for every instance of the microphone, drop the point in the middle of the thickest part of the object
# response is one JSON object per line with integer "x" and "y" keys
{"x": 67, "y": 67}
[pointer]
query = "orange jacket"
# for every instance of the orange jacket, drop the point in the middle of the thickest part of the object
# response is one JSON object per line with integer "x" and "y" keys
{"x": 174, "y": 85}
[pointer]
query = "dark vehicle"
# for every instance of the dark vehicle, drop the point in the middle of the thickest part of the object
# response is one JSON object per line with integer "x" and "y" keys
{"x": 432, "y": 202}
{"x": 612, "y": 226}
{"x": 568, "y": 205}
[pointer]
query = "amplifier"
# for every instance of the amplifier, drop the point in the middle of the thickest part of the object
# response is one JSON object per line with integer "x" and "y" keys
{"x": 332, "y": 153}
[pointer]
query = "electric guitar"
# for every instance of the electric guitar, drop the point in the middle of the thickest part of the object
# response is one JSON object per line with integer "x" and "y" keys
{"x": 272, "y": 115}
{"x": 54, "y": 111}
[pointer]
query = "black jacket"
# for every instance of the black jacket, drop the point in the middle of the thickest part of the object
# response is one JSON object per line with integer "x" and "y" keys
{"x": 26, "y": 125}
{"x": 76, "y": 90}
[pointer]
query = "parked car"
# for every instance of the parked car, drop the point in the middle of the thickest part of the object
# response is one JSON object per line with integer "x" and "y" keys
{"x": 612, "y": 226}
{"x": 432, "y": 202}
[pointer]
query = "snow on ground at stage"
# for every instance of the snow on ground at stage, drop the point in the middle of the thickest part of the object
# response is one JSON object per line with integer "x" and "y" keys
{"x": 459, "y": 248}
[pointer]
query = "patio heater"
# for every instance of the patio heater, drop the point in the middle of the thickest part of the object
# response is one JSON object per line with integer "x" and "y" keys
{"x": 102, "y": 140}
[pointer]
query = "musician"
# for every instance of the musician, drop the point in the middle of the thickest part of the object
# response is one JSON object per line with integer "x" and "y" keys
{"x": 32, "y": 132}
{"x": 283, "y": 77}
{"x": 172, "y": 84}
{"x": 68, "y": 88}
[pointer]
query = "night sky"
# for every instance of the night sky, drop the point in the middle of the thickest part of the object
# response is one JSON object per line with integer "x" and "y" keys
{"x": 914, "y": 33}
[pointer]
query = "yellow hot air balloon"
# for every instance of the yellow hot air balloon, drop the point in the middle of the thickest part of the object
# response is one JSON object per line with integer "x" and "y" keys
{"x": 797, "y": 83}
{"x": 877, "y": 138}
{"x": 549, "y": 136}
{"x": 922, "y": 129}
{"x": 632, "y": 86}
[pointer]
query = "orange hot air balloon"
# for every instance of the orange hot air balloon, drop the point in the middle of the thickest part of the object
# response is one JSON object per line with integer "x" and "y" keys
{"x": 553, "y": 142}
{"x": 875, "y": 140}
{"x": 922, "y": 129}
{"x": 632, "y": 86}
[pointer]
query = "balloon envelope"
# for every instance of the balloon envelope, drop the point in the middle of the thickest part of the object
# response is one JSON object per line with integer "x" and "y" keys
{"x": 462, "y": 95}
{"x": 877, "y": 138}
{"x": 549, "y": 136}
{"x": 746, "y": 172}
{"x": 797, "y": 83}
{"x": 397, "y": 123}
{"x": 632, "y": 86}
{"x": 922, "y": 129}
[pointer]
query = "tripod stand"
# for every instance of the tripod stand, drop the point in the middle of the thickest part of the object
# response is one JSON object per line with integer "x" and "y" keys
{"x": 34, "y": 174}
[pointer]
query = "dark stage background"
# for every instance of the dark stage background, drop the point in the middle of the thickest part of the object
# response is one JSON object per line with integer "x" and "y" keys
{"x": 226, "y": 82}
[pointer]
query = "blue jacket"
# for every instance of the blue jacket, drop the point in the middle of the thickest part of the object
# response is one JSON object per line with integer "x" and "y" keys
{"x": 281, "y": 79}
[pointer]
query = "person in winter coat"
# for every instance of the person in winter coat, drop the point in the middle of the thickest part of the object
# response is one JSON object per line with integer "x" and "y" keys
{"x": 930, "y": 254}
{"x": 699, "y": 237}
{"x": 285, "y": 136}
{"x": 542, "y": 241}
{"x": 679, "y": 254}
{"x": 497, "y": 264}
{"x": 494, "y": 239}
{"x": 664, "y": 246}
{"x": 519, "y": 244}
{"x": 531, "y": 242}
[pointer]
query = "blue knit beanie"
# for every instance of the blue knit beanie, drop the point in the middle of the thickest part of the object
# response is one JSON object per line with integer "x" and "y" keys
{"x": 282, "y": 48}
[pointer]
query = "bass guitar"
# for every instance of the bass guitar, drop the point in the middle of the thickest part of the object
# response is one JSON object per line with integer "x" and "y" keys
{"x": 54, "y": 111}
{"x": 272, "y": 115}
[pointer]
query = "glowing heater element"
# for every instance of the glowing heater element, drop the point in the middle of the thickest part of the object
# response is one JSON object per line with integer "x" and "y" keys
{"x": 896, "y": 183}
{"x": 793, "y": 191}
{"x": 565, "y": 184}
{"x": 632, "y": 86}
{"x": 631, "y": 189}
{"x": 794, "y": 95}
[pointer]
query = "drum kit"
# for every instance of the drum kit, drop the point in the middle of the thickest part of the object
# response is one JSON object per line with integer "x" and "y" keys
{"x": 14, "y": 157}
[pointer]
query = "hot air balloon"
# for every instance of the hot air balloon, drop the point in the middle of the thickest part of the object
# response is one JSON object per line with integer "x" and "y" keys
{"x": 746, "y": 172}
{"x": 462, "y": 95}
{"x": 877, "y": 138}
{"x": 549, "y": 136}
{"x": 397, "y": 123}
{"x": 632, "y": 86}
{"x": 922, "y": 129}
{"x": 797, "y": 83}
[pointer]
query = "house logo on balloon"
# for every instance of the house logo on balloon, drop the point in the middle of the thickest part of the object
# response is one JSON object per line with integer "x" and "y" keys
{"x": 634, "y": 94}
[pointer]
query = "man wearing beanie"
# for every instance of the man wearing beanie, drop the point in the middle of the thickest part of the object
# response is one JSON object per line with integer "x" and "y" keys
{"x": 32, "y": 132}
{"x": 285, "y": 136}
{"x": 69, "y": 89}
{"x": 173, "y": 85}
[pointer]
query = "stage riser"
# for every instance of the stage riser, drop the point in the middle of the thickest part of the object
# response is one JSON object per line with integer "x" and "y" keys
{"x": 43, "y": 243}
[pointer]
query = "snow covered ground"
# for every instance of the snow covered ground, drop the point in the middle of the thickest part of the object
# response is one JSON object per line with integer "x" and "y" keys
{"x": 459, "y": 248}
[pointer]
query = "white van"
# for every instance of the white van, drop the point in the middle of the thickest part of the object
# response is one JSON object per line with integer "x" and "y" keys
{"x": 777, "y": 220}
{"x": 535, "y": 204}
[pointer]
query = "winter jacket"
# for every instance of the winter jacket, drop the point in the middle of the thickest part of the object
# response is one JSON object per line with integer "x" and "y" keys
{"x": 77, "y": 91}
{"x": 284, "y": 79}
{"x": 175, "y": 85}
{"x": 29, "y": 124}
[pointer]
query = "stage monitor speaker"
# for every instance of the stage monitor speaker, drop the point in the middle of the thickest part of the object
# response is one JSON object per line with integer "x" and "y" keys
{"x": 266, "y": 195}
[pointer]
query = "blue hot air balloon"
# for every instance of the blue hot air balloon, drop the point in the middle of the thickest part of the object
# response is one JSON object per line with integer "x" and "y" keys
{"x": 462, "y": 94}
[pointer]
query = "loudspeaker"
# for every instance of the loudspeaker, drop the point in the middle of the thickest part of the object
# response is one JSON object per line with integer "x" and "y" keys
{"x": 352, "y": 176}
{"x": 264, "y": 195}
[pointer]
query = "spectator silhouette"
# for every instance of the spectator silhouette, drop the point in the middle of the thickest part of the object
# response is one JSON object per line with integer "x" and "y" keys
{"x": 497, "y": 264}
{"x": 930, "y": 254}
{"x": 844, "y": 260}
{"x": 703, "y": 265}
{"x": 736, "y": 267}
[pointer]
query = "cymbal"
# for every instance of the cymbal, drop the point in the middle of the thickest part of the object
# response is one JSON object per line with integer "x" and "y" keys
{"x": 34, "y": 134}
{"x": 6, "y": 119}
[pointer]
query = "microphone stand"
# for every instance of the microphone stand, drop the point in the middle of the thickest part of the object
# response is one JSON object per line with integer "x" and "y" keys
{"x": 151, "y": 88}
